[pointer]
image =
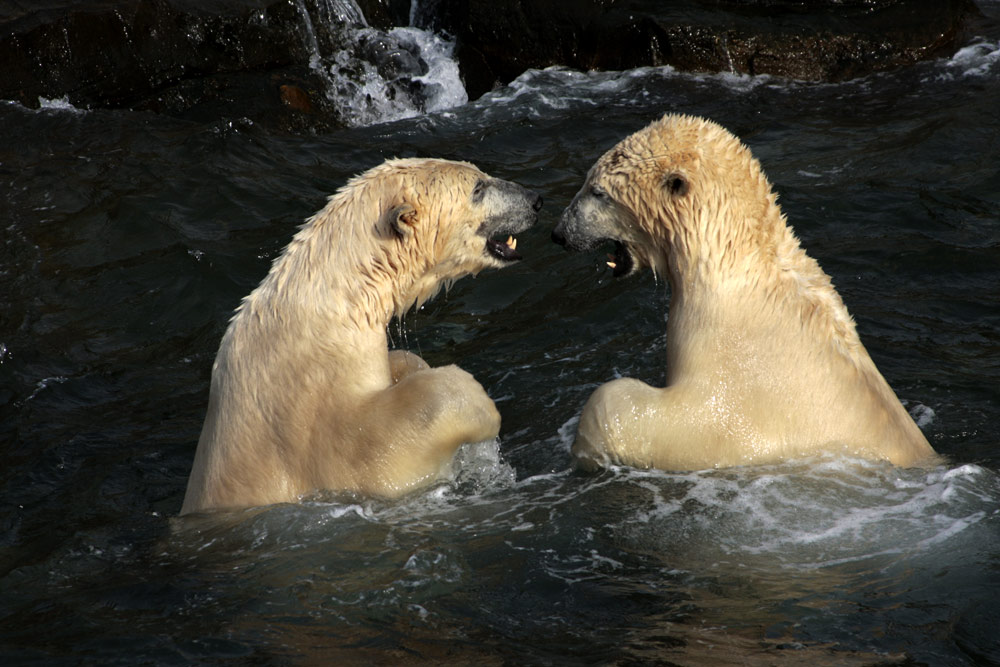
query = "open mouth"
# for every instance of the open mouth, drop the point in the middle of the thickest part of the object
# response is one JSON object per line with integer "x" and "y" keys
{"x": 505, "y": 251}
{"x": 620, "y": 261}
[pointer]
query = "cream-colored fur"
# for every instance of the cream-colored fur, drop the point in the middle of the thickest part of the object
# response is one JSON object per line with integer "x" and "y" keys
{"x": 305, "y": 394}
{"x": 763, "y": 360}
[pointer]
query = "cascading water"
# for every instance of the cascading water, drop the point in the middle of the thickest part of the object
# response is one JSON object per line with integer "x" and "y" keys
{"x": 374, "y": 76}
{"x": 394, "y": 75}
{"x": 342, "y": 11}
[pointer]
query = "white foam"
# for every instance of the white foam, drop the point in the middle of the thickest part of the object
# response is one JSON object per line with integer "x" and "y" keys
{"x": 559, "y": 88}
{"x": 364, "y": 97}
{"x": 567, "y": 432}
{"x": 443, "y": 81}
{"x": 57, "y": 104}
{"x": 922, "y": 415}
{"x": 479, "y": 468}
{"x": 819, "y": 512}
{"x": 977, "y": 59}
{"x": 802, "y": 515}
{"x": 44, "y": 384}
{"x": 340, "y": 511}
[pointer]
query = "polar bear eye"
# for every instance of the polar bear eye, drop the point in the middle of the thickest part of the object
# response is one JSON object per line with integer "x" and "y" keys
{"x": 477, "y": 190}
{"x": 677, "y": 185}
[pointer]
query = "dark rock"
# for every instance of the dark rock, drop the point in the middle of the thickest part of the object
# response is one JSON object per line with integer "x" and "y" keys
{"x": 819, "y": 40}
{"x": 392, "y": 58}
{"x": 111, "y": 55}
{"x": 296, "y": 98}
{"x": 185, "y": 58}
{"x": 286, "y": 64}
{"x": 386, "y": 14}
{"x": 206, "y": 59}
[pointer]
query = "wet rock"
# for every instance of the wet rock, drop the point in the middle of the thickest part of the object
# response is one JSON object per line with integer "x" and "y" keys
{"x": 286, "y": 64}
{"x": 820, "y": 40}
{"x": 111, "y": 55}
{"x": 392, "y": 58}
{"x": 180, "y": 57}
{"x": 296, "y": 98}
{"x": 203, "y": 59}
{"x": 385, "y": 14}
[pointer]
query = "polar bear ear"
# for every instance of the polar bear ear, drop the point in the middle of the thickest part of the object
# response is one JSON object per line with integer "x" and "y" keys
{"x": 401, "y": 220}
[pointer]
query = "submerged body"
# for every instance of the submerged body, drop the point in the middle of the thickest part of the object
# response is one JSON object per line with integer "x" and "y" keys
{"x": 764, "y": 363}
{"x": 305, "y": 393}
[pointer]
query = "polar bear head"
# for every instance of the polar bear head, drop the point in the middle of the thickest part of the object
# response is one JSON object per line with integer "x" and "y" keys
{"x": 393, "y": 235}
{"x": 681, "y": 187}
{"x": 445, "y": 220}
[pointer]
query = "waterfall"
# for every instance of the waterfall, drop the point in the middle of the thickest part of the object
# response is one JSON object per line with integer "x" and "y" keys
{"x": 373, "y": 76}
{"x": 342, "y": 11}
{"x": 312, "y": 43}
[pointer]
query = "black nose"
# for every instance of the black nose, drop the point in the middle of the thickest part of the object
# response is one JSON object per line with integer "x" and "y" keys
{"x": 557, "y": 237}
{"x": 537, "y": 204}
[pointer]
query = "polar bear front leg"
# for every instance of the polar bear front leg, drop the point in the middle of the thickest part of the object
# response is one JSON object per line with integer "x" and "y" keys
{"x": 448, "y": 404}
{"x": 403, "y": 362}
{"x": 422, "y": 419}
{"x": 616, "y": 425}
{"x": 679, "y": 427}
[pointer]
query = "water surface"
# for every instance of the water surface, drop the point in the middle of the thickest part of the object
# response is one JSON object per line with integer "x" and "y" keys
{"x": 128, "y": 238}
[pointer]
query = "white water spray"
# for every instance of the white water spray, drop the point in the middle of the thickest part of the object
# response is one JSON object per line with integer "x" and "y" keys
{"x": 377, "y": 77}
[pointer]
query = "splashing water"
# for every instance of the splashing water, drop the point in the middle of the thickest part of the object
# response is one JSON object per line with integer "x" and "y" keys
{"x": 374, "y": 76}
{"x": 394, "y": 75}
{"x": 976, "y": 60}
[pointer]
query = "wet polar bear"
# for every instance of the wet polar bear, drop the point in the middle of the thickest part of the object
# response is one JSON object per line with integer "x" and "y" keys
{"x": 763, "y": 360}
{"x": 305, "y": 394}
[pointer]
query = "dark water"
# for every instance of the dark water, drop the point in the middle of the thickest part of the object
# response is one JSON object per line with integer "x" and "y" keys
{"x": 128, "y": 238}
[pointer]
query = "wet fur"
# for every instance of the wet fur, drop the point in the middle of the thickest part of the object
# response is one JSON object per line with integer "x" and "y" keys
{"x": 764, "y": 362}
{"x": 305, "y": 394}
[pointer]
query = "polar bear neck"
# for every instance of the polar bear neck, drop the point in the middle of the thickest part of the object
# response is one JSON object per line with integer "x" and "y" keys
{"x": 348, "y": 270}
{"x": 337, "y": 286}
{"x": 732, "y": 261}
{"x": 733, "y": 275}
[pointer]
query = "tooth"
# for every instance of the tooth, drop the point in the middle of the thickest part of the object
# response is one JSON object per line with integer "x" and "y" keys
{"x": 512, "y": 242}
{"x": 612, "y": 264}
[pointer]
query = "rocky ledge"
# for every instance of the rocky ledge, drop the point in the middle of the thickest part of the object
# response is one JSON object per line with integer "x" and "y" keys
{"x": 195, "y": 59}
{"x": 813, "y": 40}
{"x": 256, "y": 58}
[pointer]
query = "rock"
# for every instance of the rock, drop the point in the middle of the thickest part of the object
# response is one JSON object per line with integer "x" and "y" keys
{"x": 206, "y": 59}
{"x": 290, "y": 65}
{"x": 296, "y": 98}
{"x": 112, "y": 55}
{"x": 187, "y": 59}
{"x": 820, "y": 40}
{"x": 386, "y": 14}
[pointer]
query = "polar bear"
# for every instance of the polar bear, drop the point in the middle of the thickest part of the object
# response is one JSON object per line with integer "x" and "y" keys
{"x": 305, "y": 394}
{"x": 763, "y": 360}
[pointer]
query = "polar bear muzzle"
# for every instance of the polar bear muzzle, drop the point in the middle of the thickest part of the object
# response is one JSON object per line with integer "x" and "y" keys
{"x": 511, "y": 210}
{"x": 593, "y": 219}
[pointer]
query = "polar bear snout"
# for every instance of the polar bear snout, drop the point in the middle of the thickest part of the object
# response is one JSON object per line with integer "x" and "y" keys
{"x": 594, "y": 218}
{"x": 573, "y": 231}
{"x": 588, "y": 221}
{"x": 512, "y": 209}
